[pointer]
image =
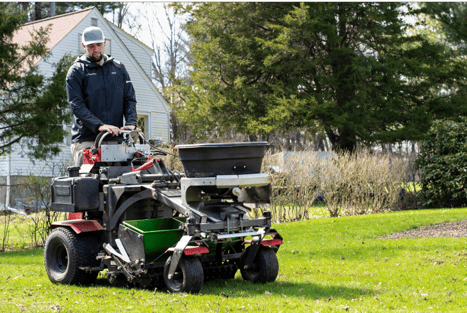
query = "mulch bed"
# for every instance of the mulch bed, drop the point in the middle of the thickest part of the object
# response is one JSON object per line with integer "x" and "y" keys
{"x": 456, "y": 229}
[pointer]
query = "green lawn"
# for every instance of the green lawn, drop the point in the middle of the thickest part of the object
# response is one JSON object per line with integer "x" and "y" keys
{"x": 330, "y": 264}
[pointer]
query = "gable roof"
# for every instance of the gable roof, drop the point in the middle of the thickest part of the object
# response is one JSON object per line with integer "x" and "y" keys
{"x": 61, "y": 25}
{"x": 140, "y": 43}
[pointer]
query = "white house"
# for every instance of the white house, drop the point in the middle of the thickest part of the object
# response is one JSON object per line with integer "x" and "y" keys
{"x": 65, "y": 37}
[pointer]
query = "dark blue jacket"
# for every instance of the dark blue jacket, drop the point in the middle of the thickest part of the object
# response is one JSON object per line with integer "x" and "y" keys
{"x": 99, "y": 95}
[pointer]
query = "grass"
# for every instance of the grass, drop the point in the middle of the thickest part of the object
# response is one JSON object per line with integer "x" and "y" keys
{"x": 291, "y": 212}
{"x": 332, "y": 264}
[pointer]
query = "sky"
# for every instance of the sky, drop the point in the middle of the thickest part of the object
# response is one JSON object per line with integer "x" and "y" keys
{"x": 145, "y": 14}
{"x": 142, "y": 22}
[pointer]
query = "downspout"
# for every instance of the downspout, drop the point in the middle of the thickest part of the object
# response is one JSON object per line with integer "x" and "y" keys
{"x": 8, "y": 183}
{"x": 8, "y": 191}
{"x": 52, "y": 9}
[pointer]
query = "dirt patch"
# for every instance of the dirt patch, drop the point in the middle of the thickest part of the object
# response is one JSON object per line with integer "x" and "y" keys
{"x": 449, "y": 229}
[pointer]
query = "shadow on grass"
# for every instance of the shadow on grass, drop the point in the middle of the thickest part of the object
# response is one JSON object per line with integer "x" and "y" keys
{"x": 238, "y": 288}
{"x": 241, "y": 288}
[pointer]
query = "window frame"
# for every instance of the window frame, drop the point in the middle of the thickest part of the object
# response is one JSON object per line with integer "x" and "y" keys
{"x": 147, "y": 131}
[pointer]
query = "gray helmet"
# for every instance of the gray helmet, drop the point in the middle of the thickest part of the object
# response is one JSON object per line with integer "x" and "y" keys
{"x": 93, "y": 35}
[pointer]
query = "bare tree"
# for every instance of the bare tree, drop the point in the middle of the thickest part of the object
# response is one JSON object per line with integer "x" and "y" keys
{"x": 5, "y": 235}
{"x": 120, "y": 13}
{"x": 25, "y": 6}
{"x": 170, "y": 63}
{"x": 38, "y": 11}
{"x": 170, "y": 43}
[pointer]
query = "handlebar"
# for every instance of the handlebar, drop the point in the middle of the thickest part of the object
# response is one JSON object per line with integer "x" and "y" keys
{"x": 100, "y": 137}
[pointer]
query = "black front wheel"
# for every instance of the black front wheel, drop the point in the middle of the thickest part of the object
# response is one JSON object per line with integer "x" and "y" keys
{"x": 264, "y": 269}
{"x": 188, "y": 276}
{"x": 65, "y": 252}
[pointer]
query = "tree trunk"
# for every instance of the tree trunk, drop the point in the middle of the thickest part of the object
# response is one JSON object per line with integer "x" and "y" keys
{"x": 344, "y": 141}
{"x": 319, "y": 143}
{"x": 37, "y": 10}
{"x": 120, "y": 17}
{"x": 174, "y": 126}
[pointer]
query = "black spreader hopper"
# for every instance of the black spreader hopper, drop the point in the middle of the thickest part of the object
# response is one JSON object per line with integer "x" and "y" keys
{"x": 212, "y": 159}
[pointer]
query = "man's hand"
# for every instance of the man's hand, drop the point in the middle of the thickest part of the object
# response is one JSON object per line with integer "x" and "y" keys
{"x": 114, "y": 130}
{"x": 129, "y": 127}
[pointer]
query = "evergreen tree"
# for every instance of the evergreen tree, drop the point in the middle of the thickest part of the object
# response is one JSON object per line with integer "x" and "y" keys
{"x": 351, "y": 68}
{"x": 32, "y": 108}
{"x": 452, "y": 17}
{"x": 442, "y": 161}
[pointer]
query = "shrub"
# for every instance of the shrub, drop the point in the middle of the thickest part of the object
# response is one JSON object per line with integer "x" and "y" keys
{"x": 294, "y": 188}
{"x": 39, "y": 222}
{"x": 350, "y": 184}
{"x": 5, "y": 229}
{"x": 443, "y": 161}
{"x": 171, "y": 160}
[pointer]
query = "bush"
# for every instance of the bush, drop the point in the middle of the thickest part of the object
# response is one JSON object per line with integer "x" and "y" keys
{"x": 443, "y": 161}
{"x": 350, "y": 184}
{"x": 39, "y": 222}
{"x": 172, "y": 161}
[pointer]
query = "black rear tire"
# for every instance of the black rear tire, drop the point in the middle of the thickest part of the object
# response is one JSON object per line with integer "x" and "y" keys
{"x": 65, "y": 252}
{"x": 264, "y": 269}
{"x": 188, "y": 277}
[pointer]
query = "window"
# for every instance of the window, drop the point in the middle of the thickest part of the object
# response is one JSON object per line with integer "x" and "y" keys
{"x": 143, "y": 124}
{"x": 93, "y": 21}
{"x": 67, "y": 138}
{"x": 107, "y": 50}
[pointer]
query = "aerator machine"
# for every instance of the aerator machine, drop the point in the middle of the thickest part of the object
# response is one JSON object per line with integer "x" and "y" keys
{"x": 150, "y": 226}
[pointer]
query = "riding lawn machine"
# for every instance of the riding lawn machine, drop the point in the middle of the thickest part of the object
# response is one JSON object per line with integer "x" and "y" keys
{"x": 146, "y": 225}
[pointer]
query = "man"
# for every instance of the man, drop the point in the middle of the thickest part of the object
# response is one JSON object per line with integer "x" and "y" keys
{"x": 100, "y": 94}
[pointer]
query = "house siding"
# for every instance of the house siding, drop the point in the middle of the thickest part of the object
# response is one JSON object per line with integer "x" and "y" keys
{"x": 140, "y": 52}
{"x": 22, "y": 165}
